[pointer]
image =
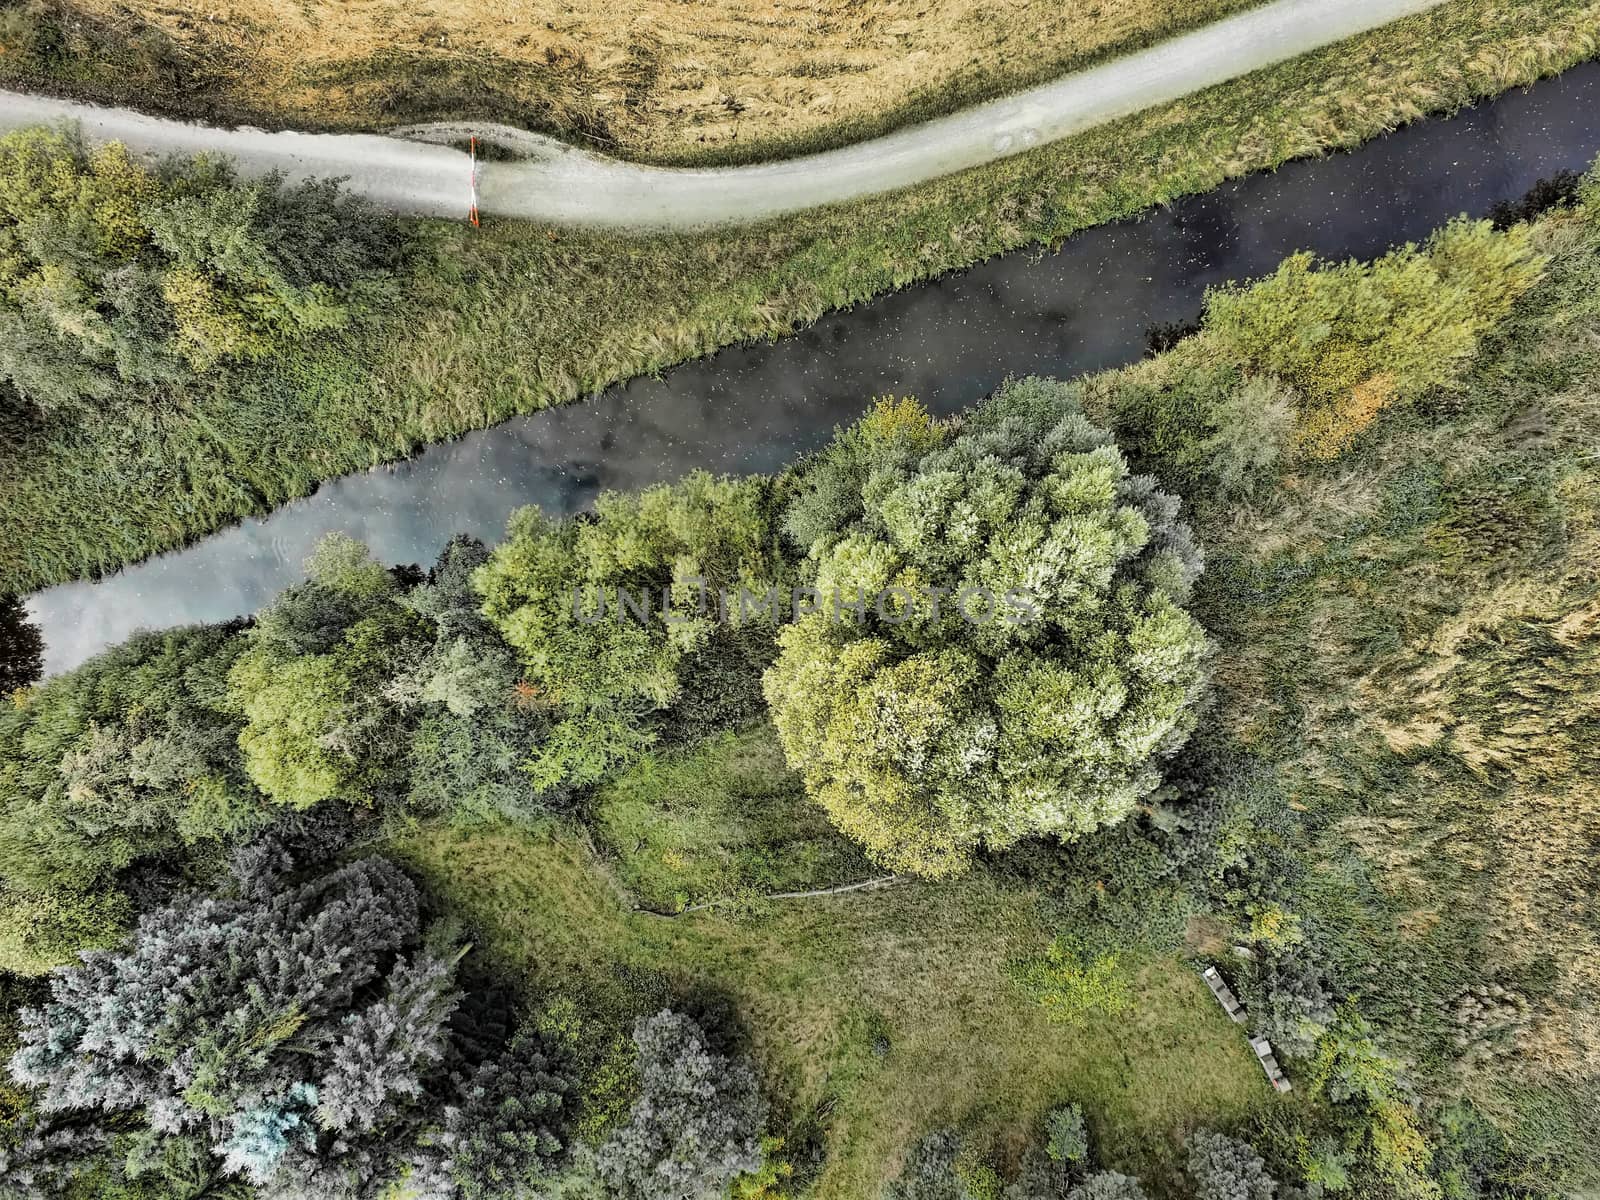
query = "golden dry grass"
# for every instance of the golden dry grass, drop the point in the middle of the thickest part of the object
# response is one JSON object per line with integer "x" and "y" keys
{"x": 646, "y": 78}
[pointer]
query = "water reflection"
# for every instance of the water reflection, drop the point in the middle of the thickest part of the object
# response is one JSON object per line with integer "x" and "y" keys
{"x": 950, "y": 342}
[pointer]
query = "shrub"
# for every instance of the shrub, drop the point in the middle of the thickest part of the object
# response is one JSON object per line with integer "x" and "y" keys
{"x": 770, "y": 1180}
{"x": 925, "y": 733}
{"x": 1197, "y": 423}
{"x": 696, "y": 1124}
{"x": 1224, "y": 1168}
{"x": 599, "y": 671}
{"x": 1071, "y": 982}
{"x": 1066, "y": 1136}
{"x": 21, "y": 648}
{"x": 979, "y": 1179}
{"x": 1377, "y": 1115}
{"x": 720, "y": 685}
{"x": 1354, "y": 337}
{"x": 115, "y": 279}
{"x": 930, "y": 1171}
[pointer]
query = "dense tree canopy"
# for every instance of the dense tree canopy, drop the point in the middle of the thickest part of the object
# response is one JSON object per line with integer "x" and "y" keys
{"x": 582, "y": 602}
{"x": 124, "y": 758}
{"x": 361, "y": 686}
{"x": 1019, "y": 659}
{"x": 1108, "y": 1185}
{"x": 294, "y": 1036}
{"x": 249, "y": 1024}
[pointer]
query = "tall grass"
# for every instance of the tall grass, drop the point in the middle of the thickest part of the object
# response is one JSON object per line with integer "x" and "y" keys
{"x": 1412, "y": 638}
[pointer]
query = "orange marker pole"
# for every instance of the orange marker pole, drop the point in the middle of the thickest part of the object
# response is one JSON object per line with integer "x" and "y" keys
{"x": 472, "y": 213}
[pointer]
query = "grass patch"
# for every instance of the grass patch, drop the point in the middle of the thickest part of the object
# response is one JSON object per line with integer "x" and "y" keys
{"x": 817, "y": 984}
{"x": 726, "y": 821}
{"x": 522, "y": 317}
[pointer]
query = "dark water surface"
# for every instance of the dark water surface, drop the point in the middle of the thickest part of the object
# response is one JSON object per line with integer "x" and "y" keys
{"x": 948, "y": 342}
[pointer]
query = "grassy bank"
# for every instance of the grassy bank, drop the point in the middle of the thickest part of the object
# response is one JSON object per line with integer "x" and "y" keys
{"x": 817, "y": 982}
{"x": 734, "y": 81}
{"x": 520, "y": 317}
{"x": 1409, "y": 644}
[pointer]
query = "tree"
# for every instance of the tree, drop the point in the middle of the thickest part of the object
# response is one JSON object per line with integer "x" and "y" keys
{"x": 384, "y": 1050}
{"x": 1282, "y": 989}
{"x": 506, "y": 1128}
{"x": 696, "y": 1123}
{"x": 1108, "y": 1185}
{"x": 1224, "y": 1168}
{"x": 21, "y": 647}
{"x": 582, "y": 602}
{"x": 313, "y": 683}
{"x": 476, "y": 730}
{"x": 129, "y": 757}
{"x": 39, "y": 1161}
{"x": 116, "y": 280}
{"x": 292, "y": 1034}
{"x": 829, "y": 486}
{"x": 1017, "y": 660}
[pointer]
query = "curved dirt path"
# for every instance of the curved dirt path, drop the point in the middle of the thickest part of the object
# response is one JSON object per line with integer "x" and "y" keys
{"x": 559, "y": 183}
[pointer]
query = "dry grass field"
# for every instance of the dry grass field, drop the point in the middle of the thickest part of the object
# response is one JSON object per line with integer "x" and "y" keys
{"x": 657, "y": 79}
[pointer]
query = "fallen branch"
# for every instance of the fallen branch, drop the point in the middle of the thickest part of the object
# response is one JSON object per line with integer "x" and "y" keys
{"x": 880, "y": 882}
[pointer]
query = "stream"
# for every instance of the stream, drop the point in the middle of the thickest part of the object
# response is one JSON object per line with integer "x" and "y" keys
{"x": 949, "y": 342}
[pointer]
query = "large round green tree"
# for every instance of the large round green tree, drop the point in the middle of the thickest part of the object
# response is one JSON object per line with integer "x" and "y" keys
{"x": 1000, "y": 648}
